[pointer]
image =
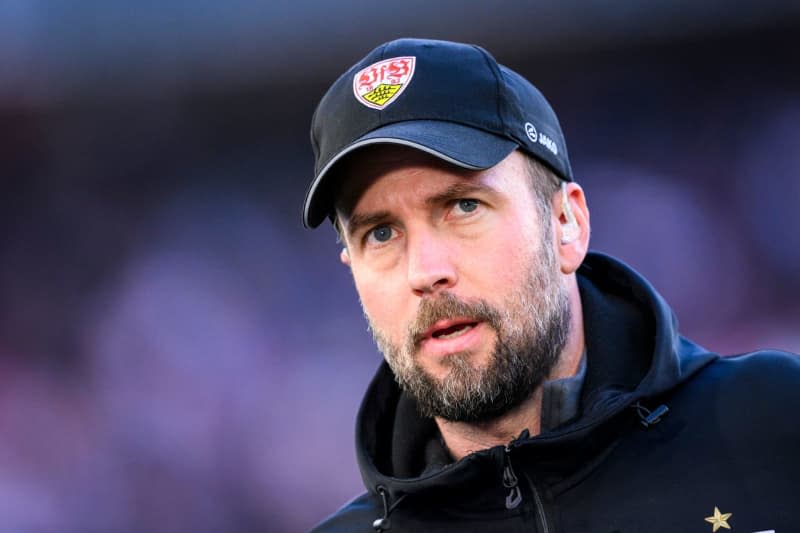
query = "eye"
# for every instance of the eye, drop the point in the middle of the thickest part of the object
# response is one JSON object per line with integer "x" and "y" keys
{"x": 467, "y": 205}
{"x": 380, "y": 234}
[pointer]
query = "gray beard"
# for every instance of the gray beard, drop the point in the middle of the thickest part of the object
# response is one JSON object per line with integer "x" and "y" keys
{"x": 531, "y": 329}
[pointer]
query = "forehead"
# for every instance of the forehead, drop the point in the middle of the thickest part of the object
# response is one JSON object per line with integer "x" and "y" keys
{"x": 399, "y": 165}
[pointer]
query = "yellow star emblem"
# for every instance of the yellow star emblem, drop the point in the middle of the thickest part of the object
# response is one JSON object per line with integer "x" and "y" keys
{"x": 719, "y": 519}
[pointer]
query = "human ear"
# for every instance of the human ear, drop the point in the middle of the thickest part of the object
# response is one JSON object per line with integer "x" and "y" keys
{"x": 569, "y": 225}
{"x": 572, "y": 226}
{"x": 344, "y": 256}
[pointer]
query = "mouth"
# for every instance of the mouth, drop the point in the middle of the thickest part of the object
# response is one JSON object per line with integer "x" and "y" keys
{"x": 449, "y": 329}
{"x": 451, "y": 336}
{"x": 453, "y": 331}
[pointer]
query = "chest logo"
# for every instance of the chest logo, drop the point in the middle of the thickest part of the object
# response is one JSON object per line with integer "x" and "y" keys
{"x": 718, "y": 520}
{"x": 381, "y": 83}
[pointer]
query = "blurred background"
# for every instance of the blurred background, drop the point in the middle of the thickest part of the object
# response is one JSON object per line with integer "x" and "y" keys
{"x": 178, "y": 354}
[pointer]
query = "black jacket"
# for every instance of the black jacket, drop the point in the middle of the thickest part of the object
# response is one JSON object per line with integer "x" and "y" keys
{"x": 669, "y": 438}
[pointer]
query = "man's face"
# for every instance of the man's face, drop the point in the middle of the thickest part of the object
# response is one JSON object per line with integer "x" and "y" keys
{"x": 457, "y": 275}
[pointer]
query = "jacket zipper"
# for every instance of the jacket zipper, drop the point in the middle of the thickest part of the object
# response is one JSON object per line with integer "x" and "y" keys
{"x": 514, "y": 496}
{"x": 511, "y": 482}
{"x": 539, "y": 507}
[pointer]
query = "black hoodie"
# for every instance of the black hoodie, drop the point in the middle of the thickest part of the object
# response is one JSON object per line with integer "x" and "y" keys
{"x": 669, "y": 438}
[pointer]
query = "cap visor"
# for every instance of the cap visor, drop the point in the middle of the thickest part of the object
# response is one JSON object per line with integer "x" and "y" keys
{"x": 457, "y": 144}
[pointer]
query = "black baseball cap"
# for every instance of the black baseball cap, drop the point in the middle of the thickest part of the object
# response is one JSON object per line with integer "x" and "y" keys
{"x": 449, "y": 99}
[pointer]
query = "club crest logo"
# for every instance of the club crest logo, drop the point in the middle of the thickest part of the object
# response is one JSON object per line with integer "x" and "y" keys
{"x": 381, "y": 83}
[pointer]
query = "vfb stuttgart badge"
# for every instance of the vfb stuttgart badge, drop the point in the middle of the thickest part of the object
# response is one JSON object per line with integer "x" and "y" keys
{"x": 381, "y": 83}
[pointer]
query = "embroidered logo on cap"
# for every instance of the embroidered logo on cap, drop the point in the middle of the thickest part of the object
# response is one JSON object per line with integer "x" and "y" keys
{"x": 381, "y": 83}
{"x": 541, "y": 138}
{"x": 530, "y": 131}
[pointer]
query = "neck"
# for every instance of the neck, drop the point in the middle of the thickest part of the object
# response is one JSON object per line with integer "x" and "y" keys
{"x": 462, "y": 438}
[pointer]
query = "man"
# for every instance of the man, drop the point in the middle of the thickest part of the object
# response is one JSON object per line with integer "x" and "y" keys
{"x": 528, "y": 385}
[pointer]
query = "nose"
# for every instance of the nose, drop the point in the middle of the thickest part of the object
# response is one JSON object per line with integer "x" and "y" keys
{"x": 431, "y": 266}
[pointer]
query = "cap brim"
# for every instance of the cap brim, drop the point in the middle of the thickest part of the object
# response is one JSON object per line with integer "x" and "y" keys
{"x": 457, "y": 144}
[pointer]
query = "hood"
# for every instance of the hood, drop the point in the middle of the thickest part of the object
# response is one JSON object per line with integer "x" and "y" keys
{"x": 634, "y": 354}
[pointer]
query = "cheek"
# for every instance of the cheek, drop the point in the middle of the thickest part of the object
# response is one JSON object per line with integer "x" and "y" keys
{"x": 381, "y": 298}
{"x": 500, "y": 260}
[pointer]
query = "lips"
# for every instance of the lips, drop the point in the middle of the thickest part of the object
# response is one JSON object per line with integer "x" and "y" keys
{"x": 449, "y": 328}
{"x": 450, "y": 336}
{"x": 453, "y": 331}
{"x": 447, "y": 325}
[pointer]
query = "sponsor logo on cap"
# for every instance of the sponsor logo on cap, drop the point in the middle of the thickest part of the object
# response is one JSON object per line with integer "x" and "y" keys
{"x": 530, "y": 131}
{"x": 381, "y": 83}
{"x": 541, "y": 138}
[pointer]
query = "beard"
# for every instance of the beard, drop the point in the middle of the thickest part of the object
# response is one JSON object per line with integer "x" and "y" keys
{"x": 531, "y": 327}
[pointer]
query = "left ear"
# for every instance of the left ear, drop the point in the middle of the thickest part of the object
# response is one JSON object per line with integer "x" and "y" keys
{"x": 344, "y": 256}
{"x": 571, "y": 226}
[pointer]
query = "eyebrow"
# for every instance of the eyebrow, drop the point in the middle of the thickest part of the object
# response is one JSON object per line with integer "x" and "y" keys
{"x": 456, "y": 191}
{"x": 358, "y": 221}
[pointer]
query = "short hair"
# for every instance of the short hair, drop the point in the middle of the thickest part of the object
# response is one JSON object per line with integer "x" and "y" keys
{"x": 337, "y": 225}
{"x": 543, "y": 183}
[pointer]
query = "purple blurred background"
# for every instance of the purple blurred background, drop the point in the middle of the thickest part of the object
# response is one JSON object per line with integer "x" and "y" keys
{"x": 178, "y": 354}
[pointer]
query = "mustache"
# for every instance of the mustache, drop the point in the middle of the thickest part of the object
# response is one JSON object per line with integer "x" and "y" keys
{"x": 444, "y": 306}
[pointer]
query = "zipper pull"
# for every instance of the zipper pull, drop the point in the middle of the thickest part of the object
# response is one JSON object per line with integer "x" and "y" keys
{"x": 650, "y": 418}
{"x": 510, "y": 481}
